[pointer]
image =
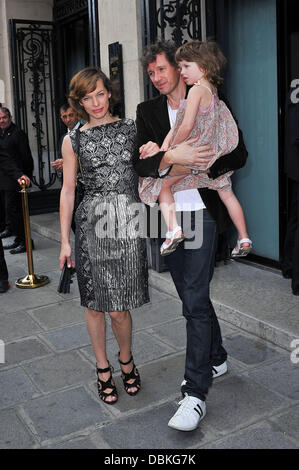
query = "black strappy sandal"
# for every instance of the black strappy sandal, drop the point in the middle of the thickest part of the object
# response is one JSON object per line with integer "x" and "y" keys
{"x": 134, "y": 374}
{"x": 102, "y": 386}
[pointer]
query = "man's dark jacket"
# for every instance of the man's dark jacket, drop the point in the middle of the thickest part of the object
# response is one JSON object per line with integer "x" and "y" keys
{"x": 153, "y": 124}
{"x": 15, "y": 143}
{"x": 9, "y": 167}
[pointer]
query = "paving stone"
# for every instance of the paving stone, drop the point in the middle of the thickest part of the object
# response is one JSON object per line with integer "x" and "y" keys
{"x": 13, "y": 433}
{"x": 259, "y": 436}
{"x": 173, "y": 333}
{"x": 237, "y": 401}
{"x": 70, "y": 337}
{"x": 156, "y": 295}
{"x": 60, "y": 314}
{"x": 16, "y": 299}
{"x": 250, "y": 350}
{"x": 145, "y": 348}
{"x": 149, "y": 430}
{"x": 15, "y": 387}
{"x": 73, "y": 444}
{"x": 147, "y": 316}
{"x": 159, "y": 381}
{"x": 24, "y": 350}
{"x": 281, "y": 377}
{"x": 59, "y": 371}
{"x": 17, "y": 325}
{"x": 63, "y": 413}
{"x": 289, "y": 422}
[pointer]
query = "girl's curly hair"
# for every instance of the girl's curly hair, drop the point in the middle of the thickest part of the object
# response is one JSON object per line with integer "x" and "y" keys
{"x": 208, "y": 57}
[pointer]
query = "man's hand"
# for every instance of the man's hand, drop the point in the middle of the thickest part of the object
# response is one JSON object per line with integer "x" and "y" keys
{"x": 184, "y": 154}
{"x": 148, "y": 150}
{"x": 58, "y": 164}
{"x": 26, "y": 179}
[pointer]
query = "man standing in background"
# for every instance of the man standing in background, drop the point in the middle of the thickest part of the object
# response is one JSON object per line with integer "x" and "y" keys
{"x": 70, "y": 120}
{"x": 10, "y": 169}
{"x": 14, "y": 142}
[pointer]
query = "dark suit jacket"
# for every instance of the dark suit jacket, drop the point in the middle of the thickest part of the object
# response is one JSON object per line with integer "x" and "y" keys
{"x": 291, "y": 155}
{"x": 152, "y": 123}
{"x": 9, "y": 167}
{"x": 15, "y": 143}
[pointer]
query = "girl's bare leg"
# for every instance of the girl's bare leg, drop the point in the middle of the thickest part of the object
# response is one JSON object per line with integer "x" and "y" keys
{"x": 96, "y": 326}
{"x": 167, "y": 203}
{"x": 235, "y": 211}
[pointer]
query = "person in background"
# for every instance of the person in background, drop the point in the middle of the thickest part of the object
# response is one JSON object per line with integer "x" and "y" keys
{"x": 10, "y": 169}
{"x": 14, "y": 142}
{"x": 70, "y": 119}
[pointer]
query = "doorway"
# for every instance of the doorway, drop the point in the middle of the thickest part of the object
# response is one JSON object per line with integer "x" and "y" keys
{"x": 76, "y": 42}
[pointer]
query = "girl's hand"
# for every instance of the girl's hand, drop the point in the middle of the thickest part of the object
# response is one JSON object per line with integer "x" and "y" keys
{"x": 148, "y": 150}
{"x": 65, "y": 255}
{"x": 164, "y": 147}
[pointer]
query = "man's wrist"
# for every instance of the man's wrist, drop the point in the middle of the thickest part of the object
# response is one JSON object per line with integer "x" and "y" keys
{"x": 167, "y": 160}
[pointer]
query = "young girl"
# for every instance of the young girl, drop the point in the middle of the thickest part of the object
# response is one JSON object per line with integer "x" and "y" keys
{"x": 205, "y": 117}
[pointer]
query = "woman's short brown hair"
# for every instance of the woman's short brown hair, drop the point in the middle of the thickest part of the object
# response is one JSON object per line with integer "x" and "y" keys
{"x": 208, "y": 57}
{"x": 85, "y": 82}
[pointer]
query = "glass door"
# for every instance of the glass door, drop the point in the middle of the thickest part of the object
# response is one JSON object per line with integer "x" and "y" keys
{"x": 246, "y": 30}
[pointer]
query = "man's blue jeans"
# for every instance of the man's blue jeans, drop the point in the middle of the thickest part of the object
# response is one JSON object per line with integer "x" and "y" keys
{"x": 192, "y": 271}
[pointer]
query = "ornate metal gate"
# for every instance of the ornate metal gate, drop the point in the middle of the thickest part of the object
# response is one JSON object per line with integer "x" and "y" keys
{"x": 179, "y": 20}
{"x": 34, "y": 97}
{"x": 176, "y": 20}
{"x": 40, "y": 68}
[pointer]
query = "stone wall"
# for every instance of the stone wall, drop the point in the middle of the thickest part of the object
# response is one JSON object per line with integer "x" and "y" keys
{"x": 124, "y": 27}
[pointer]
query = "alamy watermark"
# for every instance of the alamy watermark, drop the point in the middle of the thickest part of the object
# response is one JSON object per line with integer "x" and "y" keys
{"x": 295, "y": 353}
{"x": 2, "y": 352}
{"x": 122, "y": 219}
{"x": 295, "y": 92}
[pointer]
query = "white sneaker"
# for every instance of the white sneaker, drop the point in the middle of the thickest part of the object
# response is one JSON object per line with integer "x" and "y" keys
{"x": 191, "y": 411}
{"x": 219, "y": 370}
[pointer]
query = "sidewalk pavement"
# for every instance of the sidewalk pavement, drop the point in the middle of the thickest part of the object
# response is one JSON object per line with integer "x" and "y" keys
{"x": 48, "y": 389}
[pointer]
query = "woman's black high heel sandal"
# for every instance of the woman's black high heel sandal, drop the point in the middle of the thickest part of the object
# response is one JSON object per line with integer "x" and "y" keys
{"x": 134, "y": 374}
{"x": 102, "y": 386}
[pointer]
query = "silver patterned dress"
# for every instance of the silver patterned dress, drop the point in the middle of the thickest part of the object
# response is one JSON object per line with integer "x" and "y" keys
{"x": 111, "y": 261}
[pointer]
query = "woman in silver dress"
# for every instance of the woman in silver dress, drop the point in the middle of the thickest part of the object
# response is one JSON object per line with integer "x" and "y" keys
{"x": 110, "y": 256}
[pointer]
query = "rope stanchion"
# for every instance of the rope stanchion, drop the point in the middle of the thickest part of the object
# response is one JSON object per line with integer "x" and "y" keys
{"x": 31, "y": 281}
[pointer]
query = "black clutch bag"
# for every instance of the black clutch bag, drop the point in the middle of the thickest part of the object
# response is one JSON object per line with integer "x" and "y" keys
{"x": 65, "y": 279}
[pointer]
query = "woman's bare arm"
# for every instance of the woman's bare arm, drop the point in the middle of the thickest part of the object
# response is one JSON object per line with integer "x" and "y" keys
{"x": 67, "y": 197}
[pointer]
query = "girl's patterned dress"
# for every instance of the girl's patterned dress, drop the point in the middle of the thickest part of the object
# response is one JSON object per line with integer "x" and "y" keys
{"x": 214, "y": 126}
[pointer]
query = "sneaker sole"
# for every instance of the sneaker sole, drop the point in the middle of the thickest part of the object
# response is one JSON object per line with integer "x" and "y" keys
{"x": 181, "y": 429}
